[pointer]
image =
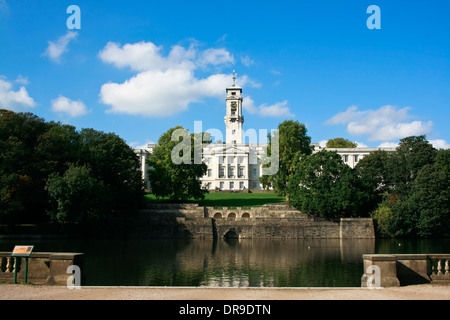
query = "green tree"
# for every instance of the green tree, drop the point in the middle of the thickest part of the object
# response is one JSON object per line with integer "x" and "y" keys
{"x": 374, "y": 170}
{"x": 77, "y": 197}
{"x": 412, "y": 154}
{"x": 56, "y": 148}
{"x": 429, "y": 198}
{"x": 443, "y": 160}
{"x": 114, "y": 163}
{"x": 418, "y": 193}
{"x": 293, "y": 144}
{"x": 341, "y": 143}
{"x": 383, "y": 219}
{"x": 323, "y": 185}
{"x": 14, "y": 189}
{"x": 176, "y": 181}
{"x": 22, "y": 189}
{"x": 32, "y": 149}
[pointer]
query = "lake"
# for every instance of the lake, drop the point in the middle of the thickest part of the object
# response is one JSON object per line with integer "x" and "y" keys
{"x": 241, "y": 263}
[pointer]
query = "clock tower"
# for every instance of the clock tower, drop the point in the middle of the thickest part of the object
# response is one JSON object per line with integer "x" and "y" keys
{"x": 234, "y": 119}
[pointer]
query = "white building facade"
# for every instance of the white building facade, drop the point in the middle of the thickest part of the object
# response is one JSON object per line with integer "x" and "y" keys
{"x": 235, "y": 165}
{"x": 351, "y": 156}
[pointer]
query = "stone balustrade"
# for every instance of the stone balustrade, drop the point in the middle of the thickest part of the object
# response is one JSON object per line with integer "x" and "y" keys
{"x": 43, "y": 267}
{"x": 389, "y": 270}
{"x": 9, "y": 264}
{"x": 440, "y": 271}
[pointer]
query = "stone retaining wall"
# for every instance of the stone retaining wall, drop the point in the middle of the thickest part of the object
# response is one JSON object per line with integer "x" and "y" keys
{"x": 269, "y": 221}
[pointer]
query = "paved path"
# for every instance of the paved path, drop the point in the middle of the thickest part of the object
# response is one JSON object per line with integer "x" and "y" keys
{"x": 417, "y": 292}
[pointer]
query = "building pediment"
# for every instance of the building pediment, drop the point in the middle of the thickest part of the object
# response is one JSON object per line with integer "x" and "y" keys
{"x": 225, "y": 149}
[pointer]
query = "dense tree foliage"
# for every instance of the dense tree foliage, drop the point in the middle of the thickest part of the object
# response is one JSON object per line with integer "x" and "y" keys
{"x": 341, "y": 143}
{"x": 406, "y": 191}
{"x": 412, "y": 185}
{"x": 375, "y": 171}
{"x": 293, "y": 144}
{"x": 178, "y": 181}
{"x": 323, "y": 185}
{"x": 78, "y": 196}
{"x": 48, "y": 169}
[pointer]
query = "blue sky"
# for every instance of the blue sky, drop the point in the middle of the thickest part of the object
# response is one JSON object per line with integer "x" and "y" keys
{"x": 138, "y": 68}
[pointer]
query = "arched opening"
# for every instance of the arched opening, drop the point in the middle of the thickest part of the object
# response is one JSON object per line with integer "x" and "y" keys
{"x": 232, "y": 215}
{"x": 246, "y": 215}
{"x": 218, "y": 215}
{"x": 232, "y": 234}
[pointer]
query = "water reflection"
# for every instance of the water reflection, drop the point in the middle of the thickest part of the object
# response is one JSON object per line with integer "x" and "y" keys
{"x": 275, "y": 263}
{"x": 234, "y": 263}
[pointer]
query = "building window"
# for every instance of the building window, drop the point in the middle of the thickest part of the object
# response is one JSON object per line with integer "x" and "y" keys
{"x": 233, "y": 131}
{"x": 221, "y": 186}
{"x": 241, "y": 185}
{"x": 346, "y": 158}
{"x": 209, "y": 172}
{"x": 231, "y": 185}
{"x": 356, "y": 158}
{"x": 241, "y": 172}
{"x": 221, "y": 172}
{"x": 254, "y": 185}
{"x": 233, "y": 93}
{"x": 231, "y": 172}
{"x": 254, "y": 172}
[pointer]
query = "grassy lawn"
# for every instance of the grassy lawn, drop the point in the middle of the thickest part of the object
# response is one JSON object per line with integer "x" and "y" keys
{"x": 229, "y": 199}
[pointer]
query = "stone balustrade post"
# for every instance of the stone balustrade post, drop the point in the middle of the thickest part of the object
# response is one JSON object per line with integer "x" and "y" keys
{"x": 387, "y": 267}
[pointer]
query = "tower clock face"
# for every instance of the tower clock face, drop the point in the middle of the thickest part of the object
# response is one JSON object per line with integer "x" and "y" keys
{"x": 234, "y": 104}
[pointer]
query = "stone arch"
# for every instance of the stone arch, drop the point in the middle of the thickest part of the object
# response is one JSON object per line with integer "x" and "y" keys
{"x": 232, "y": 215}
{"x": 231, "y": 234}
{"x": 218, "y": 215}
{"x": 246, "y": 215}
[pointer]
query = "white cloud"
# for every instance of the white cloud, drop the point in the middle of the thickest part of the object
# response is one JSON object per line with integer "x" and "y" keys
{"x": 56, "y": 49}
{"x": 138, "y": 145}
{"x": 246, "y": 80}
{"x": 70, "y": 107}
{"x": 160, "y": 93}
{"x": 275, "y": 72}
{"x": 223, "y": 38}
{"x": 388, "y": 145}
{"x": 440, "y": 144}
{"x": 14, "y": 100}
{"x": 360, "y": 144}
{"x": 247, "y": 61}
{"x": 140, "y": 56}
{"x": 164, "y": 84}
{"x": 22, "y": 80}
{"x": 384, "y": 124}
{"x": 216, "y": 57}
{"x": 277, "y": 110}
